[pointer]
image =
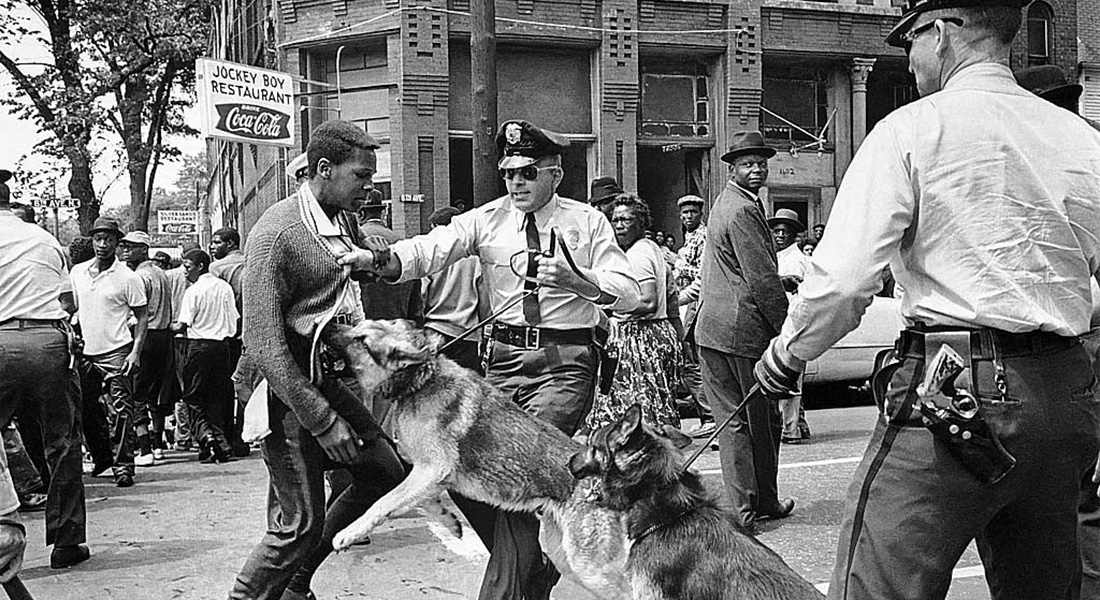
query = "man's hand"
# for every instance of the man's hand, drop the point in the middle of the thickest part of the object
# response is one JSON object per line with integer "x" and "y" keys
{"x": 359, "y": 259}
{"x": 790, "y": 283}
{"x": 13, "y": 539}
{"x": 777, "y": 372}
{"x": 131, "y": 364}
{"x": 340, "y": 442}
{"x": 555, "y": 271}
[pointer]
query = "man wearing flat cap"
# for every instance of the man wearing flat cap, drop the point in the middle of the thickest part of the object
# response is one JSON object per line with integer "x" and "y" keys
{"x": 741, "y": 307}
{"x": 542, "y": 350}
{"x": 688, "y": 273}
{"x": 152, "y": 401}
{"x": 107, "y": 293}
{"x": 997, "y": 453}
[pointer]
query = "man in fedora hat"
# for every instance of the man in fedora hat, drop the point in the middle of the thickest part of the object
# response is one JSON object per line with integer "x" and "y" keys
{"x": 107, "y": 294}
{"x": 1010, "y": 298}
{"x": 741, "y": 307}
{"x": 602, "y": 191}
{"x": 688, "y": 273}
{"x": 792, "y": 269}
{"x": 542, "y": 351}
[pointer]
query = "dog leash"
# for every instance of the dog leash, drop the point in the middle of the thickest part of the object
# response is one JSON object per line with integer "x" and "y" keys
{"x": 554, "y": 245}
{"x": 752, "y": 395}
{"x": 15, "y": 589}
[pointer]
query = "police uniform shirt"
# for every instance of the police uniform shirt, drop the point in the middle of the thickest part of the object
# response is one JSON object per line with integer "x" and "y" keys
{"x": 32, "y": 271}
{"x": 495, "y": 233}
{"x": 209, "y": 310}
{"x": 106, "y": 301}
{"x": 985, "y": 201}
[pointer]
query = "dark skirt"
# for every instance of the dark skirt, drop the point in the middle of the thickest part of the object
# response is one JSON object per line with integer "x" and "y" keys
{"x": 649, "y": 362}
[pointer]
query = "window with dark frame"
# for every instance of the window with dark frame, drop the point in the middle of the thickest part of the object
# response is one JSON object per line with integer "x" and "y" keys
{"x": 800, "y": 99}
{"x": 675, "y": 102}
{"x": 1040, "y": 34}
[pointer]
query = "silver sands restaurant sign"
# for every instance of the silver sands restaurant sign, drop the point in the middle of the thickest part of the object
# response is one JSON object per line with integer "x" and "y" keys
{"x": 245, "y": 104}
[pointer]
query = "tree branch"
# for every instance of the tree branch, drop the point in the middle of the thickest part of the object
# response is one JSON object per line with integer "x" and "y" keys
{"x": 28, "y": 88}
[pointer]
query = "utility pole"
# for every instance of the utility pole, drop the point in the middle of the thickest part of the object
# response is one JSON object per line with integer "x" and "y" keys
{"x": 483, "y": 80}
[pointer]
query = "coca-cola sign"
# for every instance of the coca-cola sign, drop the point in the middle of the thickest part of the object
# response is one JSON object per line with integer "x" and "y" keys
{"x": 244, "y": 104}
{"x": 253, "y": 122}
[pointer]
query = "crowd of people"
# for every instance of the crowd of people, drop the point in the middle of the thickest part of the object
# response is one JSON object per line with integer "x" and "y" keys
{"x": 591, "y": 311}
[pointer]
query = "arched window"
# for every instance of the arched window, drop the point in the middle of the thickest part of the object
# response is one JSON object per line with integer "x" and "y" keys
{"x": 1040, "y": 34}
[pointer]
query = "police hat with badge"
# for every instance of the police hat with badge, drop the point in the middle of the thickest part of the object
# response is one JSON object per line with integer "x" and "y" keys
{"x": 522, "y": 144}
{"x": 915, "y": 8}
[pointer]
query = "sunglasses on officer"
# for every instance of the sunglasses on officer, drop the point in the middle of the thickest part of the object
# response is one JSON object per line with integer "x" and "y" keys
{"x": 908, "y": 37}
{"x": 530, "y": 172}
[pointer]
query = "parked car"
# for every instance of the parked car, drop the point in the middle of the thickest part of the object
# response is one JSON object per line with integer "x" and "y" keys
{"x": 851, "y": 360}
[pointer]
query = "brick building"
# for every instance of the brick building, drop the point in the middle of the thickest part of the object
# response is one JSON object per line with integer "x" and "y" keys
{"x": 647, "y": 90}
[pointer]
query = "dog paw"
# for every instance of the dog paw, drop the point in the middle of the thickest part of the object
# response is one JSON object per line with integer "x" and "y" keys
{"x": 348, "y": 538}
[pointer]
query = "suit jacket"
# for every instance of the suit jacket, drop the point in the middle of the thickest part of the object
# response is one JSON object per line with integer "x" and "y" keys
{"x": 742, "y": 304}
{"x": 390, "y": 301}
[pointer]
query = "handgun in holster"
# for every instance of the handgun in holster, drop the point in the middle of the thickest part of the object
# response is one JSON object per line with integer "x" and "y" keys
{"x": 954, "y": 415}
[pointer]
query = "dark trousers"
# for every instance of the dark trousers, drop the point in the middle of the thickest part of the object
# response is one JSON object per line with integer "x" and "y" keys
{"x": 150, "y": 381}
{"x": 207, "y": 389}
{"x": 912, "y": 507}
{"x": 34, "y": 371}
{"x": 554, "y": 384}
{"x": 299, "y": 531}
{"x": 749, "y": 447}
{"x": 693, "y": 381}
{"x": 104, "y": 370}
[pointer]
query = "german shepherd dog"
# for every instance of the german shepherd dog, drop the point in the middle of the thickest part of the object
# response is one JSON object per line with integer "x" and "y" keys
{"x": 682, "y": 545}
{"x": 461, "y": 433}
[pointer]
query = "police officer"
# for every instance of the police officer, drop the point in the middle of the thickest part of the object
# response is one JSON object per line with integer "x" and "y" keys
{"x": 1012, "y": 294}
{"x": 541, "y": 351}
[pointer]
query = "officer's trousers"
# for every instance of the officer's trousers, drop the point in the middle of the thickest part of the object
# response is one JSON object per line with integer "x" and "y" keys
{"x": 913, "y": 508}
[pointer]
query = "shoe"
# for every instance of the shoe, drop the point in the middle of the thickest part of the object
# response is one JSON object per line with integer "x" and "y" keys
{"x": 100, "y": 468}
{"x": 158, "y": 454}
{"x": 215, "y": 453}
{"x": 204, "y": 450}
{"x": 33, "y": 503}
{"x": 701, "y": 430}
{"x": 124, "y": 480}
{"x": 290, "y": 594}
{"x": 242, "y": 450}
{"x": 790, "y": 440}
{"x": 145, "y": 460}
{"x": 64, "y": 557}
{"x": 785, "y": 508}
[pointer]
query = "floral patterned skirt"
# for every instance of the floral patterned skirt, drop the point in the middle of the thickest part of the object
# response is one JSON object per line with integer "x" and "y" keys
{"x": 648, "y": 368}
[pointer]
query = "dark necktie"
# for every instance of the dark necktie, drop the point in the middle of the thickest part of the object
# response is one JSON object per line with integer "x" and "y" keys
{"x": 531, "y": 303}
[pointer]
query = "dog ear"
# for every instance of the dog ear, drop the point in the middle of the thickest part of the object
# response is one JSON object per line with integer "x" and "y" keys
{"x": 415, "y": 347}
{"x": 625, "y": 427}
{"x": 678, "y": 438}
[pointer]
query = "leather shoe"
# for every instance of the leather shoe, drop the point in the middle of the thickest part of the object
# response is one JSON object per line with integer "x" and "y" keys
{"x": 124, "y": 480}
{"x": 64, "y": 557}
{"x": 33, "y": 503}
{"x": 290, "y": 594}
{"x": 784, "y": 509}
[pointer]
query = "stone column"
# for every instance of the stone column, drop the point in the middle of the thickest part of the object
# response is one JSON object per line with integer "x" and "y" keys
{"x": 861, "y": 70}
{"x": 617, "y": 113}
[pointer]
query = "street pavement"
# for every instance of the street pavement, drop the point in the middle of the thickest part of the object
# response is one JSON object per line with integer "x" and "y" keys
{"x": 185, "y": 529}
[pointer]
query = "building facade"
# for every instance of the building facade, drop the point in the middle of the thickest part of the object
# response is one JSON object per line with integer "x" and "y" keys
{"x": 648, "y": 91}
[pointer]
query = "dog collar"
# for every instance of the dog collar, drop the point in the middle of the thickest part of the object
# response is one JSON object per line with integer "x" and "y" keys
{"x": 658, "y": 526}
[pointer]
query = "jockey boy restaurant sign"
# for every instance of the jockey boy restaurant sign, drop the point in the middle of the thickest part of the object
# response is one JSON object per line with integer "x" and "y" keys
{"x": 245, "y": 104}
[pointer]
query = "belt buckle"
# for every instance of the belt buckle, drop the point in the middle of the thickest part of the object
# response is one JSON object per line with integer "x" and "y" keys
{"x": 531, "y": 338}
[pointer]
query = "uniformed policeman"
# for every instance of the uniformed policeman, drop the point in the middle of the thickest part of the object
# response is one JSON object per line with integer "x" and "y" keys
{"x": 991, "y": 223}
{"x": 542, "y": 350}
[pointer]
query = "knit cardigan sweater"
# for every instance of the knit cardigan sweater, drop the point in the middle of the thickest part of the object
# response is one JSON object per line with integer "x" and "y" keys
{"x": 290, "y": 282}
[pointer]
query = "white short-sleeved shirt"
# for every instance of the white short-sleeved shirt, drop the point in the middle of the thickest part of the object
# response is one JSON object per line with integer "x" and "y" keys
{"x": 32, "y": 271}
{"x": 209, "y": 309}
{"x": 105, "y": 303}
{"x": 648, "y": 263}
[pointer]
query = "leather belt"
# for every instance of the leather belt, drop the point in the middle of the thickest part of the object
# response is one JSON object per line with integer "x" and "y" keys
{"x": 28, "y": 323}
{"x": 987, "y": 344}
{"x": 533, "y": 338}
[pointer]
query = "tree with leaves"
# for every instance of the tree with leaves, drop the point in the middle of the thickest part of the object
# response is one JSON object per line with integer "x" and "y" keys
{"x": 118, "y": 66}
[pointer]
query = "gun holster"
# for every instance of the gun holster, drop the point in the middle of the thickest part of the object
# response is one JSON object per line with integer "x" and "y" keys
{"x": 953, "y": 413}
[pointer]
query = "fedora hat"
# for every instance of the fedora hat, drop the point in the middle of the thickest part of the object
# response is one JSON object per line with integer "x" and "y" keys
{"x": 5, "y": 175}
{"x": 914, "y": 8}
{"x": 603, "y": 189}
{"x": 1049, "y": 83}
{"x": 106, "y": 224}
{"x": 747, "y": 142}
{"x": 788, "y": 216}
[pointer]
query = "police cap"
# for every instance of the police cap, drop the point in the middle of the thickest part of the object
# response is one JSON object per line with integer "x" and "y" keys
{"x": 521, "y": 143}
{"x": 914, "y": 8}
